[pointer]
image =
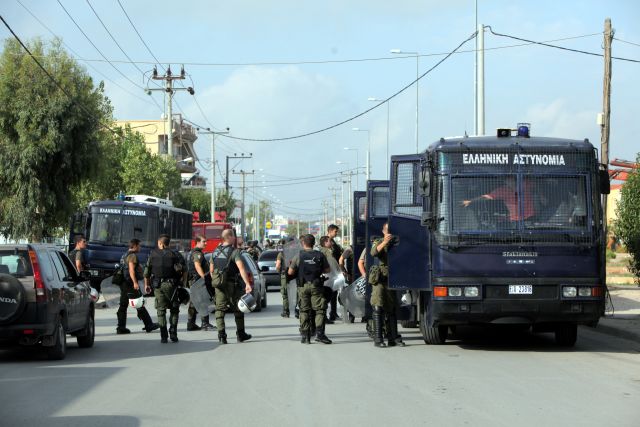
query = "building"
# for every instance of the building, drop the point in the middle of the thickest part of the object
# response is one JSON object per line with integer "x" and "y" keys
{"x": 155, "y": 133}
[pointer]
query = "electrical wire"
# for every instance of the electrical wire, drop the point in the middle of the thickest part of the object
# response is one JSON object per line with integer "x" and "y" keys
{"x": 139, "y": 35}
{"x": 79, "y": 58}
{"x": 627, "y": 42}
{"x": 288, "y": 138}
{"x": 558, "y": 47}
{"x": 58, "y": 85}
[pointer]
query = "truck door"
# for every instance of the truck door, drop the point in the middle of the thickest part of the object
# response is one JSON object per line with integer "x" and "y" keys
{"x": 359, "y": 228}
{"x": 377, "y": 213}
{"x": 409, "y": 258}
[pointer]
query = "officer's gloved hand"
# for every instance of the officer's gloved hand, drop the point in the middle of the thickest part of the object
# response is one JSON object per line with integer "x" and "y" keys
{"x": 324, "y": 278}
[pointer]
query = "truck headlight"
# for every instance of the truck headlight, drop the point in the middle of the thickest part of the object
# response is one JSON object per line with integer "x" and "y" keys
{"x": 470, "y": 291}
{"x": 569, "y": 291}
{"x": 584, "y": 292}
{"x": 455, "y": 292}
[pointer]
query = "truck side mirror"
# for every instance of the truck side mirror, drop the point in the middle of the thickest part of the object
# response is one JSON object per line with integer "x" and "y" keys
{"x": 424, "y": 183}
{"x": 605, "y": 183}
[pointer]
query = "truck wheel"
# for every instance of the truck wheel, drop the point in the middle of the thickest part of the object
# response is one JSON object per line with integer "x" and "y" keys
{"x": 566, "y": 334}
{"x": 433, "y": 334}
{"x": 409, "y": 324}
{"x": 59, "y": 349}
{"x": 88, "y": 335}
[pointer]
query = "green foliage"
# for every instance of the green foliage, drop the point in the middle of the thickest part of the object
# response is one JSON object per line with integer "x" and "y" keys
{"x": 611, "y": 254}
{"x": 225, "y": 202}
{"x": 194, "y": 200}
{"x": 49, "y": 142}
{"x": 627, "y": 226}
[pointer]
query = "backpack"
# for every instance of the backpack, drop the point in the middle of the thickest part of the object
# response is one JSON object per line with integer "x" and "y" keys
{"x": 310, "y": 267}
{"x": 219, "y": 277}
{"x": 119, "y": 276}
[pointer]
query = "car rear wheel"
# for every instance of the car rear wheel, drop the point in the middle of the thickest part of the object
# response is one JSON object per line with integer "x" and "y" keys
{"x": 263, "y": 301}
{"x": 88, "y": 335}
{"x": 59, "y": 349}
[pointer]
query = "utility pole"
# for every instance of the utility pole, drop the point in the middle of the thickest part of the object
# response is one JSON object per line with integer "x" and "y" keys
{"x": 242, "y": 219}
{"x": 235, "y": 156}
{"x": 335, "y": 215}
{"x": 479, "y": 122}
{"x": 213, "y": 167}
{"x": 168, "y": 79}
{"x": 605, "y": 129}
{"x": 342, "y": 183}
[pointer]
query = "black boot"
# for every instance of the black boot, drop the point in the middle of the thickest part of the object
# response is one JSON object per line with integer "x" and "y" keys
{"x": 222, "y": 337}
{"x": 163, "y": 335}
{"x": 173, "y": 333}
{"x": 321, "y": 337}
{"x": 394, "y": 336}
{"x": 122, "y": 324}
{"x": 191, "y": 323}
{"x": 378, "y": 316}
{"x": 304, "y": 337}
{"x": 206, "y": 325}
{"x": 243, "y": 336}
{"x": 144, "y": 315}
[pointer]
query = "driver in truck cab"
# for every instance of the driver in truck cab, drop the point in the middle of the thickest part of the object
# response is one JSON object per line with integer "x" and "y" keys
{"x": 508, "y": 194}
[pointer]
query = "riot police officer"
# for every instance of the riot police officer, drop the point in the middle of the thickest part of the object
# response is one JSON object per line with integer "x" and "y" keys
{"x": 336, "y": 252}
{"x": 309, "y": 265}
{"x": 198, "y": 267}
{"x": 235, "y": 282}
{"x": 130, "y": 289}
{"x": 165, "y": 270}
{"x": 382, "y": 299}
{"x": 282, "y": 269}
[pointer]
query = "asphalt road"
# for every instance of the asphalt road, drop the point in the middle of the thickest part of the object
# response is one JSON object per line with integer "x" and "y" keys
{"x": 483, "y": 378}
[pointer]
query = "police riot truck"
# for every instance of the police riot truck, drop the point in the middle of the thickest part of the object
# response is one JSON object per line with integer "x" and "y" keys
{"x": 108, "y": 226}
{"x": 504, "y": 229}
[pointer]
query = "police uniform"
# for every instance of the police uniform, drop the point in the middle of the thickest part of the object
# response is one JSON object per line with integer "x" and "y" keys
{"x": 228, "y": 295}
{"x": 283, "y": 284}
{"x": 165, "y": 267}
{"x": 382, "y": 299}
{"x": 336, "y": 252}
{"x": 310, "y": 264}
{"x": 197, "y": 257}
{"x": 254, "y": 252}
{"x": 127, "y": 291}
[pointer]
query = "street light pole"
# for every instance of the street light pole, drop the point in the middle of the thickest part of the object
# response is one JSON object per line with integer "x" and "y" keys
{"x": 374, "y": 99}
{"x": 368, "y": 150}
{"x": 357, "y": 165}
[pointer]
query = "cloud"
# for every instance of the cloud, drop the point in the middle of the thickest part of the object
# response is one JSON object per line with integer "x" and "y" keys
{"x": 561, "y": 119}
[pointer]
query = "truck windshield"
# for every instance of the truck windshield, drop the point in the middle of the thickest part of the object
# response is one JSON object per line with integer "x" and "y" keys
{"x": 118, "y": 229}
{"x": 516, "y": 208}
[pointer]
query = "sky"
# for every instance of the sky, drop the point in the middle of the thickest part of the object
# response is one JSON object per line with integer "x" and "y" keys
{"x": 277, "y": 69}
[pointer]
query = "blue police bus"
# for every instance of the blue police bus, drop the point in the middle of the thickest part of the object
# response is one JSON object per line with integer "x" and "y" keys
{"x": 108, "y": 226}
{"x": 499, "y": 230}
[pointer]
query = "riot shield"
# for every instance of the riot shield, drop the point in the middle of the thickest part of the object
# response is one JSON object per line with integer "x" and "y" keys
{"x": 290, "y": 250}
{"x": 201, "y": 299}
{"x": 352, "y": 297}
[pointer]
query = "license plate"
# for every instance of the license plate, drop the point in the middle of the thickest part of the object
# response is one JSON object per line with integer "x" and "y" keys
{"x": 520, "y": 289}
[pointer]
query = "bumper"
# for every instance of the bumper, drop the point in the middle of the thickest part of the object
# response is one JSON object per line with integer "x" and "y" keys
{"x": 24, "y": 334}
{"x": 271, "y": 279}
{"x": 515, "y": 311}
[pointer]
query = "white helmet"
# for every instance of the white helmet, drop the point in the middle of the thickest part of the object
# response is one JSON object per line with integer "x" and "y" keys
{"x": 94, "y": 294}
{"x": 407, "y": 298}
{"x": 247, "y": 303}
{"x": 136, "y": 302}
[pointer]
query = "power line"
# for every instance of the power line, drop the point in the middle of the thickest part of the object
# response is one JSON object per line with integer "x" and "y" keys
{"x": 79, "y": 58}
{"x": 627, "y": 42}
{"x": 471, "y": 37}
{"x": 558, "y": 47}
{"x": 139, "y": 35}
{"x": 58, "y": 85}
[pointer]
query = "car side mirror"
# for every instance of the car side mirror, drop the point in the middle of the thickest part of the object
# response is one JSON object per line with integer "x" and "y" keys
{"x": 605, "y": 183}
{"x": 84, "y": 275}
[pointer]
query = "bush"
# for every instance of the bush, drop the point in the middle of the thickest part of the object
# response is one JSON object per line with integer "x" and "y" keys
{"x": 611, "y": 254}
{"x": 627, "y": 226}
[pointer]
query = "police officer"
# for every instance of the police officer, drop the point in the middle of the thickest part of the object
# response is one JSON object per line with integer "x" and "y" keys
{"x": 253, "y": 250}
{"x": 336, "y": 252}
{"x": 131, "y": 289}
{"x": 382, "y": 299}
{"x": 309, "y": 265}
{"x": 237, "y": 282}
{"x": 79, "y": 254}
{"x": 280, "y": 267}
{"x": 166, "y": 268}
{"x": 198, "y": 267}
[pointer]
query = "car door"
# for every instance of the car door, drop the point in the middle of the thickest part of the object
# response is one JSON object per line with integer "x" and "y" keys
{"x": 82, "y": 299}
{"x": 65, "y": 273}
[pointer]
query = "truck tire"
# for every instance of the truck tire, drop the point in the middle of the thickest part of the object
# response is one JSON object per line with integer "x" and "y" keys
{"x": 89, "y": 333}
{"x": 12, "y": 298}
{"x": 59, "y": 349}
{"x": 409, "y": 324}
{"x": 435, "y": 335}
{"x": 566, "y": 334}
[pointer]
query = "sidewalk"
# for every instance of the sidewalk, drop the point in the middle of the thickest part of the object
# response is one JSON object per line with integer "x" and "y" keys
{"x": 623, "y": 319}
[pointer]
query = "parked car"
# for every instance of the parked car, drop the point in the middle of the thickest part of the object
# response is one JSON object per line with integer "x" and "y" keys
{"x": 259, "y": 288}
{"x": 267, "y": 264}
{"x": 43, "y": 299}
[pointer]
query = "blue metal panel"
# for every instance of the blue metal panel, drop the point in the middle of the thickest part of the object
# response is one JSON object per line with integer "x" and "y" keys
{"x": 359, "y": 229}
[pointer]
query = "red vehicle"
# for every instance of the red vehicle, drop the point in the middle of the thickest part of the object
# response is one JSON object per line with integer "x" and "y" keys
{"x": 212, "y": 231}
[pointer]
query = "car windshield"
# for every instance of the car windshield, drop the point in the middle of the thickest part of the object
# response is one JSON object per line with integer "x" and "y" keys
{"x": 510, "y": 207}
{"x": 15, "y": 262}
{"x": 118, "y": 229}
{"x": 268, "y": 256}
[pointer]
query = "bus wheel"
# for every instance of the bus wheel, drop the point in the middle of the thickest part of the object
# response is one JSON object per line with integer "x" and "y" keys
{"x": 566, "y": 334}
{"x": 433, "y": 334}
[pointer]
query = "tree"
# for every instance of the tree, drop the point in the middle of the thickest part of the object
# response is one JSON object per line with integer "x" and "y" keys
{"x": 49, "y": 139}
{"x": 627, "y": 225}
{"x": 266, "y": 214}
{"x": 194, "y": 200}
{"x": 225, "y": 202}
